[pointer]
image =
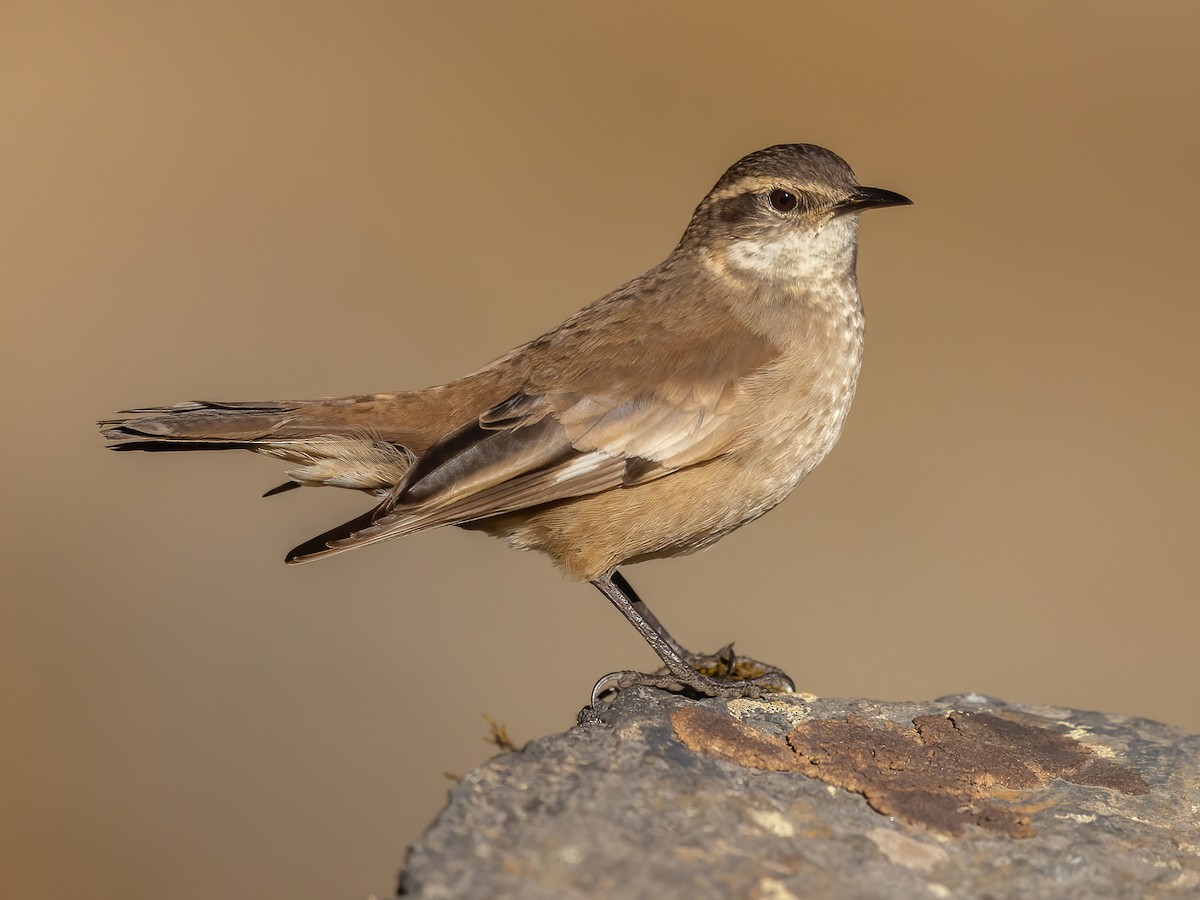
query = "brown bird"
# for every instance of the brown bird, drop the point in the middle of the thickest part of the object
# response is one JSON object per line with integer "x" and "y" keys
{"x": 651, "y": 423}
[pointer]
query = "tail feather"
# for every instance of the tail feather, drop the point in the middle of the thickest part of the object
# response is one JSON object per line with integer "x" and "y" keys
{"x": 283, "y": 488}
{"x": 206, "y": 423}
{"x": 365, "y": 442}
{"x": 333, "y": 442}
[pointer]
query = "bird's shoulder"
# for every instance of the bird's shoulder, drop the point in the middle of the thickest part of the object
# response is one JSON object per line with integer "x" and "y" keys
{"x": 666, "y": 332}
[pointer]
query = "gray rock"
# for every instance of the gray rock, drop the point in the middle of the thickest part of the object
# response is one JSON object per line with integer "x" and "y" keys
{"x": 791, "y": 796}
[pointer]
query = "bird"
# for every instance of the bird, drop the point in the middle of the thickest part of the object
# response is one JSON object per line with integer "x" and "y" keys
{"x": 650, "y": 424}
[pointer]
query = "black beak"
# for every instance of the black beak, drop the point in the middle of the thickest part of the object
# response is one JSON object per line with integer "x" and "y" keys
{"x": 871, "y": 198}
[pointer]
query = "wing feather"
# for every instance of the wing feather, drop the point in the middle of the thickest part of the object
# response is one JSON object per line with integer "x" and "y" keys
{"x": 536, "y": 448}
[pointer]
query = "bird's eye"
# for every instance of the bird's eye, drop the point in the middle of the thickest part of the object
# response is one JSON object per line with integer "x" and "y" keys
{"x": 782, "y": 201}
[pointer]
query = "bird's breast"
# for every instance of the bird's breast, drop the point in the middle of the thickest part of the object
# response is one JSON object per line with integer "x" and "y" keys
{"x": 800, "y": 403}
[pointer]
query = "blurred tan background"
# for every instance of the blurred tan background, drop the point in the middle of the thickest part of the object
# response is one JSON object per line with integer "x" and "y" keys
{"x": 247, "y": 201}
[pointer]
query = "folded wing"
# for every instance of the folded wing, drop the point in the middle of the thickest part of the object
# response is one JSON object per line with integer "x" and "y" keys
{"x": 535, "y": 449}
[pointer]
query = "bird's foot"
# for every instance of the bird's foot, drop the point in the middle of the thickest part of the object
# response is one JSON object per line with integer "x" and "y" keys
{"x": 720, "y": 674}
{"x": 725, "y": 666}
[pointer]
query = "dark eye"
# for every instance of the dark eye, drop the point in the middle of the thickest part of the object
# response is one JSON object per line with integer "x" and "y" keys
{"x": 782, "y": 201}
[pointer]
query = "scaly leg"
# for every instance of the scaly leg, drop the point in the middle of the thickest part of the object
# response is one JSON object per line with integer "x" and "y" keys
{"x": 732, "y": 676}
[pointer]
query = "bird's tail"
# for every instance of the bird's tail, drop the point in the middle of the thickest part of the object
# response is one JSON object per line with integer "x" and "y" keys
{"x": 349, "y": 442}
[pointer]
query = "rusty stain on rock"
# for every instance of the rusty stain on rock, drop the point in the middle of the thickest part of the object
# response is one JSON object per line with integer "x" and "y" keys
{"x": 947, "y": 772}
{"x": 704, "y": 731}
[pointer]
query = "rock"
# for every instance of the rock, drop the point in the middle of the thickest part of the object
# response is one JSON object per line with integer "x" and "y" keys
{"x": 791, "y": 796}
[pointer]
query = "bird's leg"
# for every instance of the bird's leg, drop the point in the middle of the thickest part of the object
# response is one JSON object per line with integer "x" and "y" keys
{"x": 732, "y": 676}
{"x": 724, "y": 664}
{"x": 622, "y": 584}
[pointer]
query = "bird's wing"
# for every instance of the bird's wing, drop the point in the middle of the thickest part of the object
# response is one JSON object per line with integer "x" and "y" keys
{"x": 627, "y": 390}
{"x": 534, "y": 449}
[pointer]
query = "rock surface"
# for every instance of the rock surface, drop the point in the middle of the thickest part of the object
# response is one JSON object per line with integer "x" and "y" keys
{"x": 791, "y": 796}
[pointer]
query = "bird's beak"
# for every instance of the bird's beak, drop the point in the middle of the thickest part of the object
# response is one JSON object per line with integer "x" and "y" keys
{"x": 870, "y": 198}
